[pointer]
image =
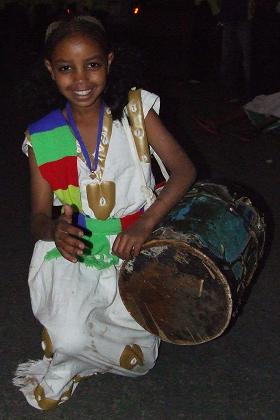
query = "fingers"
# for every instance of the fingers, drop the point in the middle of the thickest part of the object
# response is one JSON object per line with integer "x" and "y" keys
{"x": 68, "y": 256}
{"x": 64, "y": 223}
{"x": 67, "y": 213}
{"x": 126, "y": 247}
{"x": 129, "y": 242}
{"x": 70, "y": 247}
{"x": 67, "y": 239}
{"x": 64, "y": 227}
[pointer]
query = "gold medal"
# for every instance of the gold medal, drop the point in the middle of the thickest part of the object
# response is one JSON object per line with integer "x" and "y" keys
{"x": 101, "y": 198}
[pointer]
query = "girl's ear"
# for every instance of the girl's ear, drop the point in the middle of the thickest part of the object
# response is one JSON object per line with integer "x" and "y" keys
{"x": 110, "y": 59}
{"x": 49, "y": 68}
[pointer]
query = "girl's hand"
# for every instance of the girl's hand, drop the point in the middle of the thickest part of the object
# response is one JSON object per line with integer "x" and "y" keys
{"x": 128, "y": 243}
{"x": 66, "y": 236}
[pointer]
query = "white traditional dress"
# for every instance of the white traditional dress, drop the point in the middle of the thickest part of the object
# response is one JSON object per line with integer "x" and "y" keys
{"x": 87, "y": 329}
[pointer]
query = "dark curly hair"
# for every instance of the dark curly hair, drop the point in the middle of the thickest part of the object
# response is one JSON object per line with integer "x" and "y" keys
{"x": 39, "y": 91}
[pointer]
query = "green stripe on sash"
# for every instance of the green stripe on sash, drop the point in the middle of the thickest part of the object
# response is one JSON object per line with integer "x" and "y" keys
{"x": 111, "y": 226}
{"x": 98, "y": 253}
{"x": 70, "y": 196}
{"x": 61, "y": 143}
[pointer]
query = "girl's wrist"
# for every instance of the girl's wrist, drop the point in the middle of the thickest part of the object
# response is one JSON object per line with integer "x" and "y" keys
{"x": 148, "y": 220}
{"x": 53, "y": 226}
{"x": 154, "y": 214}
{"x": 43, "y": 227}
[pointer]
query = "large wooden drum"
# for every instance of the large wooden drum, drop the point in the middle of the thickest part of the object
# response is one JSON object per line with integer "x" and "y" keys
{"x": 186, "y": 285}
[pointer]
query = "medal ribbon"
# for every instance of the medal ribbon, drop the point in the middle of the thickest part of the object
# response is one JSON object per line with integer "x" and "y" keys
{"x": 78, "y": 136}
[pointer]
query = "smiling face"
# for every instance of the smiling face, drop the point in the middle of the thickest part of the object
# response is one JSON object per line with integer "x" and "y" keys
{"x": 79, "y": 67}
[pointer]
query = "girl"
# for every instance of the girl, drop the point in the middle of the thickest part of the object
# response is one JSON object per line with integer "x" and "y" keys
{"x": 86, "y": 157}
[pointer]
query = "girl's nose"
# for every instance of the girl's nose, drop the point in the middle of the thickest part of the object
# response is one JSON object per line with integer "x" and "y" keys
{"x": 81, "y": 75}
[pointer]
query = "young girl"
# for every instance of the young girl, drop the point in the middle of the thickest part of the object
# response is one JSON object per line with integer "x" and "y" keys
{"x": 89, "y": 158}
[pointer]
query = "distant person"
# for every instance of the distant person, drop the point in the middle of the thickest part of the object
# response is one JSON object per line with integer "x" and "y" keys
{"x": 266, "y": 40}
{"x": 202, "y": 43}
{"x": 236, "y": 16}
{"x": 84, "y": 155}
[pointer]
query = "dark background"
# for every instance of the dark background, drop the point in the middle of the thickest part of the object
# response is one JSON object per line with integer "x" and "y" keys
{"x": 233, "y": 377}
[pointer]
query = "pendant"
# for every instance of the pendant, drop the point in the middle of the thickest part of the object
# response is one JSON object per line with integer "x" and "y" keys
{"x": 101, "y": 198}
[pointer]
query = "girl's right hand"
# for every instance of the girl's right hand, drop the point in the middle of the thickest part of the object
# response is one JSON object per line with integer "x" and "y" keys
{"x": 66, "y": 236}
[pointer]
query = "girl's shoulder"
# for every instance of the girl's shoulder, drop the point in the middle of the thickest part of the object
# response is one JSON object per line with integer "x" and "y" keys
{"x": 52, "y": 120}
{"x": 149, "y": 101}
{"x": 36, "y": 130}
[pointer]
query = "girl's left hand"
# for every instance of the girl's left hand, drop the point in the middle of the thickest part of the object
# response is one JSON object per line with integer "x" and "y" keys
{"x": 128, "y": 243}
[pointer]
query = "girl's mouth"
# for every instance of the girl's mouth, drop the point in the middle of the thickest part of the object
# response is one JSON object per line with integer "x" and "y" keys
{"x": 82, "y": 92}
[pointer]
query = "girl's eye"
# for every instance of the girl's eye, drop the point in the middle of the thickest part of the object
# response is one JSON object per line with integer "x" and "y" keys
{"x": 94, "y": 65}
{"x": 64, "y": 68}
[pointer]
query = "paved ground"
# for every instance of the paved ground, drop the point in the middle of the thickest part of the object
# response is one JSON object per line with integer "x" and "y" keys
{"x": 235, "y": 377}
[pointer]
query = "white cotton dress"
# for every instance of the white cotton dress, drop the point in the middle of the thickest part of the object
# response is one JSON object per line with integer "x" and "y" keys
{"x": 87, "y": 329}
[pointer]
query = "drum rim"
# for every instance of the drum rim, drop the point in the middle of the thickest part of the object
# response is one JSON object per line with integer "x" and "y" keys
{"x": 210, "y": 266}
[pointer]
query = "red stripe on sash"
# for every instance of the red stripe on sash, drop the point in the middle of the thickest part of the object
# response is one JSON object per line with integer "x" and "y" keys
{"x": 61, "y": 173}
{"x": 126, "y": 221}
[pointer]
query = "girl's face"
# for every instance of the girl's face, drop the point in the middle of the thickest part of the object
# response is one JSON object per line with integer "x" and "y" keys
{"x": 79, "y": 67}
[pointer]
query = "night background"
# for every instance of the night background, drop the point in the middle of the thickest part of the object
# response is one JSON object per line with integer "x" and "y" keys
{"x": 178, "y": 53}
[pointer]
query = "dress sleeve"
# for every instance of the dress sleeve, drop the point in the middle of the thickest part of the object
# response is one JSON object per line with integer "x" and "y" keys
{"x": 24, "y": 148}
{"x": 150, "y": 101}
{"x": 25, "y": 144}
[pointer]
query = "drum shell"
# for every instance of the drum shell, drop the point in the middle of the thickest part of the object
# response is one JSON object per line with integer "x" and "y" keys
{"x": 219, "y": 237}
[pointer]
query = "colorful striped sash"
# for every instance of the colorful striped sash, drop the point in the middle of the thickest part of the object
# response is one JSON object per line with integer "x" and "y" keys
{"x": 55, "y": 150}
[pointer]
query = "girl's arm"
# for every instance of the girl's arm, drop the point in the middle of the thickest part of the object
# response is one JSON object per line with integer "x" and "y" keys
{"x": 182, "y": 170}
{"x": 43, "y": 227}
{"x": 182, "y": 175}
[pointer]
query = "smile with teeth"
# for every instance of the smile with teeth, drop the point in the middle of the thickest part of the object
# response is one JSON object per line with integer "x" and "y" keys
{"x": 82, "y": 92}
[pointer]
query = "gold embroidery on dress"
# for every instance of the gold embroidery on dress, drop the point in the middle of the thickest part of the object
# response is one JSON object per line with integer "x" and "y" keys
{"x": 104, "y": 143}
{"x": 49, "y": 404}
{"x": 77, "y": 379}
{"x": 43, "y": 402}
{"x": 47, "y": 344}
{"x": 101, "y": 198}
{"x": 131, "y": 357}
{"x": 136, "y": 119}
{"x": 66, "y": 395}
{"x": 101, "y": 195}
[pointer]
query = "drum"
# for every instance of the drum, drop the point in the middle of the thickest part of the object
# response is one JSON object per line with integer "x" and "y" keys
{"x": 186, "y": 285}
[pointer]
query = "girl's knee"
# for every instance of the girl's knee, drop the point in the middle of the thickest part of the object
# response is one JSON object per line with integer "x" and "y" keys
{"x": 67, "y": 341}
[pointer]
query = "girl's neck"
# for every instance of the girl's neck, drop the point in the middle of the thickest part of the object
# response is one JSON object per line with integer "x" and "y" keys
{"x": 86, "y": 127}
{"x": 86, "y": 113}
